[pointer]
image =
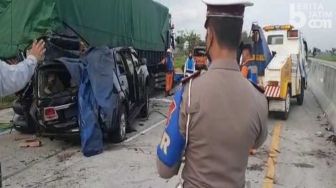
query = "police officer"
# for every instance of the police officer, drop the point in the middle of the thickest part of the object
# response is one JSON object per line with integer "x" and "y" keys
{"x": 217, "y": 117}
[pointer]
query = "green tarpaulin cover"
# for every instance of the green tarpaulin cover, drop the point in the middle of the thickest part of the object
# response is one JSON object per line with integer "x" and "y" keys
{"x": 21, "y": 21}
{"x": 142, "y": 24}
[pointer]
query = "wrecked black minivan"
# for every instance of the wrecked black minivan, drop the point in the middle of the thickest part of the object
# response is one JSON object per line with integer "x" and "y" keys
{"x": 49, "y": 104}
{"x": 56, "y": 100}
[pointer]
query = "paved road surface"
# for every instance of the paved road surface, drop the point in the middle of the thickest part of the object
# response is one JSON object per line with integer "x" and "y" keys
{"x": 306, "y": 159}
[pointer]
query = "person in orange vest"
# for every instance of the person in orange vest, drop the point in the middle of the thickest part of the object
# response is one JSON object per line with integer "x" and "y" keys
{"x": 246, "y": 59}
{"x": 169, "y": 63}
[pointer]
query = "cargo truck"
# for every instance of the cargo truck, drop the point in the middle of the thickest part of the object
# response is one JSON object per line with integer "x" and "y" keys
{"x": 144, "y": 25}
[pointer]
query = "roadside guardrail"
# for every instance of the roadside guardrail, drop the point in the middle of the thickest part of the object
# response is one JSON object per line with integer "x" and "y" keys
{"x": 322, "y": 82}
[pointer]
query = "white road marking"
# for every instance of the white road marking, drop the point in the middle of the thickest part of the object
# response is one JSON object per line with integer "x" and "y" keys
{"x": 161, "y": 100}
{"x": 145, "y": 131}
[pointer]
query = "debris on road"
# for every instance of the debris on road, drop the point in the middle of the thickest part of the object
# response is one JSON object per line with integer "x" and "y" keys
{"x": 24, "y": 137}
{"x": 332, "y": 138}
{"x": 65, "y": 156}
{"x": 31, "y": 143}
{"x": 330, "y": 129}
{"x": 139, "y": 149}
{"x": 319, "y": 134}
{"x": 303, "y": 165}
{"x": 320, "y": 117}
{"x": 256, "y": 167}
{"x": 319, "y": 154}
{"x": 326, "y": 124}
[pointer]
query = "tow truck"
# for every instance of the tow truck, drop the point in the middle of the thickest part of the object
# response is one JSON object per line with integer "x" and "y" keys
{"x": 280, "y": 56}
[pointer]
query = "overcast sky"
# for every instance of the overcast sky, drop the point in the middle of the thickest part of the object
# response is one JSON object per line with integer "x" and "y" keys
{"x": 317, "y": 18}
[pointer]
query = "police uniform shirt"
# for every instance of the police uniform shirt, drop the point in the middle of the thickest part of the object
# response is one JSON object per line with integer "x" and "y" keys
{"x": 228, "y": 118}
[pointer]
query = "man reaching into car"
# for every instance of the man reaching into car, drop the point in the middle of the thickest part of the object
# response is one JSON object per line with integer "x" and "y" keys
{"x": 15, "y": 77}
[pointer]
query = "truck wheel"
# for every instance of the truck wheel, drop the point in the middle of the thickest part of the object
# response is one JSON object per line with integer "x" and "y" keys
{"x": 285, "y": 114}
{"x": 119, "y": 134}
{"x": 145, "y": 109}
{"x": 300, "y": 98}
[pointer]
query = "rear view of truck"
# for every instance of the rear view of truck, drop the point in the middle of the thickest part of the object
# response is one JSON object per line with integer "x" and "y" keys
{"x": 285, "y": 75}
{"x": 144, "y": 25}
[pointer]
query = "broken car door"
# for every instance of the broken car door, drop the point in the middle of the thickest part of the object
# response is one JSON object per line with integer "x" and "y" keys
{"x": 140, "y": 77}
{"x": 122, "y": 74}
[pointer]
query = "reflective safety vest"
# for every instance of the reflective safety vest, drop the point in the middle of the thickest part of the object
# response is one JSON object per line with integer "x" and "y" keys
{"x": 189, "y": 67}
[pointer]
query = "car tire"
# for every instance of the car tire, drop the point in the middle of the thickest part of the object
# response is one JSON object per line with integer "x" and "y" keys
{"x": 300, "y": 98}
{"x": 145, "y": 109}
{"x": 119, "y": 134}
{"x": 23, "y": 125}
{"x": 285, "y": 114}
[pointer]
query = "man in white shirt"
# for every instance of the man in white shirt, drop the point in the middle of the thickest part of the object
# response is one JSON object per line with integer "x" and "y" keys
{"x": 13, "y": 78}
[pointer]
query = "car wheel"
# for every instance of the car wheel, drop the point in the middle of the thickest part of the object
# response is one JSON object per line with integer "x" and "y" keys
{"x": 285, "y": 114}
{"x": 119, "y": 134}
{"x": 145, "y": 109}
{"x": 301, "y": 96}
{"x": 23, "y": 125}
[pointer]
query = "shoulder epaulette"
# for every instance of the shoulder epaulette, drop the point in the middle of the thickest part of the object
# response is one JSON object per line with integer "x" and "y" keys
{"x": 194, "y": 75}
{"x": 261, "y": 90}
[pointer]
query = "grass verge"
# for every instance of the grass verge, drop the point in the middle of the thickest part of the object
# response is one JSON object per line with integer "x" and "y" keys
{"x": 6, "y": 102}
{"x": 179, "y": 61}
{"x": 327, "y": 57}
{"x": 4, "y": 127}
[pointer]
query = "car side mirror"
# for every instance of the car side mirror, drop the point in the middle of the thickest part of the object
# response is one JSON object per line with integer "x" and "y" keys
{"x": 143, "y": 61}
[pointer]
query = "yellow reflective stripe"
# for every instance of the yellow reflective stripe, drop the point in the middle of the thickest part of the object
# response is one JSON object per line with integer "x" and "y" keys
{"x": 286, "y": 78}
{"x": 278, "y": 27}
{"x": 259, "y": 57}
{"x": 272, "y": 157}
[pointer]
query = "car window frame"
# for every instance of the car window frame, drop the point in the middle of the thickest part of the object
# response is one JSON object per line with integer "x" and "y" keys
{"x": 135, "y": 60}
{"x": 126, "y": 53}
{"x": 123, "y": 64}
